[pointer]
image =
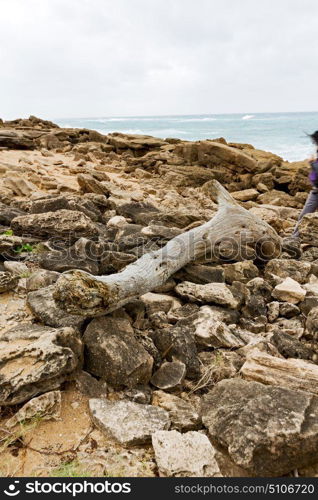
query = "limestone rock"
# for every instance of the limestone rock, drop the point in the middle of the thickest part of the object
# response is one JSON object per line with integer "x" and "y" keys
{"x": 44, "y": 407}
{"x": 214, "y": 293}
{"x": 268, "y": 431}
{"x": 126, "y": 422}
{"x": 288, "y": 268}
{"x": 8, "y": 244}
{"x": 289, "y": 347}
{"x": 245, "y": 194}
{"x": 211, "y": 331}
{"x": 169, "y": 376}
{"x": 184, "y": 455}
{"x": 41, "y": 279}
{"x": 7, "y": 281}
{"x": 240, "y": 271}
{"x": 182, "y": 414}
{"x": 114, "y": 353}
{"x": 88, "y": 184}
{"x": 289, "y": 291}
{"x": 308, "y": 229}
{"x": 43, "y": 307}
{"x": 295, "y": 374}
{"x": 67, "y": 224}
{"x": 312, "y": 324}
{"x": 36, "y": 359}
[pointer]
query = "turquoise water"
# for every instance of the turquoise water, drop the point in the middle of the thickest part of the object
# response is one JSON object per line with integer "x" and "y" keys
{"x": 280, "y": 133}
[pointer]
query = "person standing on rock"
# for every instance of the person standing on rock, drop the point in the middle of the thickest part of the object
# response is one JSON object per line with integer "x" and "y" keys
{"x": 292, "y": 244}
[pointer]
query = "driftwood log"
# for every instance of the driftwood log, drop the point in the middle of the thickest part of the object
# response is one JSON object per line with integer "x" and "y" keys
{"x": 233, "y": 233}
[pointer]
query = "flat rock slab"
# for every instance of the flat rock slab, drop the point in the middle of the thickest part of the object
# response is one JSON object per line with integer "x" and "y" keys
{"x": 289, "y": 291}
{"x": 36, "y": 359}
{"x": 183, "y": 415}
{"x": 212, "y": 293}
{"x": 44, "y": 407}
{"x": 126, "y": 422}
{"x": 184, "y": 455}
{"x": 296, "y": 374}
{"x": 268, "y": 431}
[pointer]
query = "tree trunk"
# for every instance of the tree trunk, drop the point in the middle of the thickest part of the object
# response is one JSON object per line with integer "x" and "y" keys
{"x": 233, "y": 233}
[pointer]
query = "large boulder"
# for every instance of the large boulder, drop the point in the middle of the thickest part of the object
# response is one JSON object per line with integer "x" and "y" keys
{"x": 267, "y": 431}
{"x": 128, "y": 423}
{"x": 114, "y": 353}
{"x": 36, "y": 359}
{"x": 66, "y": 224}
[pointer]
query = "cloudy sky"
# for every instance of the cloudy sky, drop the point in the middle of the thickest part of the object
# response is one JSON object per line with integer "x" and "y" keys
{"x": 85, "y": 58}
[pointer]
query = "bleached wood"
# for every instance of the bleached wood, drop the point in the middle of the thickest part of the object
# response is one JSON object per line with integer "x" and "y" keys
{"x": 233, "y": 232}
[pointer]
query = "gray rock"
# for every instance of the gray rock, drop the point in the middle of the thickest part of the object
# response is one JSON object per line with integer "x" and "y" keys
{"x": 170, "y": 375}
{"x": 126, "y": 422}
{"x": 43, "y": 307}
{"x": 201, "y": 274}
{"x": 41, "y": 279}
{"x": 184, "y": 455}
{"x": 268, "y": 431}
{"x": 211, "y": 331}
{"x": 308, "y": 229}
{"x": 214, "y": 293}
{"x": 16, "y": 268}
{"x": 182, "y": 414}
{"x": 36, "y": 359}
{"x": 312, "y": 324}
{"x": 289, "y": 347}
{"x": 114, "y": 353}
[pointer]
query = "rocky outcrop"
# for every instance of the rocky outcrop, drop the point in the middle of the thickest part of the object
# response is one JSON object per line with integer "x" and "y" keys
{"x": 36, "y": 359}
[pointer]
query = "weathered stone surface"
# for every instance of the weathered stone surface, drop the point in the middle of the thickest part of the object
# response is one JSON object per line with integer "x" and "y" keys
{"x": 245, "y": 194}
{"x": 289, "y": 291}
{"x": 43, "y": 307}
{"x": 126, "y": 422}
{"x": 7, "y": 282}
{"x": 41, "y": 279}
{"x": 114, "y": 353}
{"x": 308, "y": 229}
{"x": 289, "y": 347}
{"x": 68, "y": 224}
{"x": 44, "y": 407}
{"x": 169, "y": 376}
{"x": 312, "y": 324}
{"x": 214, "y": 293}
{"x": 182, "y": 414}
{"x": 184, "y": 455}
{"x": 201, "y": 274}
{"x": 240, "y": 271}
{"x": 288, "y": 268}
{"x": 291, "y": 373}
{"x": 211, "y": 331}
{"x": 293, "y": 326}
{"x": 177, "y": 343}
{"x": 36, "y": 359}
{"x": 88, "y": 184}
{"x": 268, "y": 431}
{"x": 74, "y": 203}
{"x": 8, "y": 244}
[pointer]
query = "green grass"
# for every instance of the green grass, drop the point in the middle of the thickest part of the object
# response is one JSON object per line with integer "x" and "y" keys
{"x": 9, "y": 232}
{"x": 70, "y": 469}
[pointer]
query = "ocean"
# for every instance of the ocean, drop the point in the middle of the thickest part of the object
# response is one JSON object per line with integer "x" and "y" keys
{"x": 280, "y": 133}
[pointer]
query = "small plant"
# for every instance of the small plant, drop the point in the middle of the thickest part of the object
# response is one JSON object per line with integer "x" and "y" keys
{"x": 9, "y": 232}
{"x": 26, "y": 247}
{"x": 27, "y": 274}
{"x": 69, "y": 469}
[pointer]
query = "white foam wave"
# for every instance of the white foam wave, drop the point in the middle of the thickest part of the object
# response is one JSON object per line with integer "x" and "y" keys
{"x": 248, "y": 117}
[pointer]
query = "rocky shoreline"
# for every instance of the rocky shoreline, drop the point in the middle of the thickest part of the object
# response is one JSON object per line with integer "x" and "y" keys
{"x": 212, "y": 374}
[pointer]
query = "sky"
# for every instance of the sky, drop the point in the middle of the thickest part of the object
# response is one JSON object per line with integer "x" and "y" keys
{"x": 90, "y": 58}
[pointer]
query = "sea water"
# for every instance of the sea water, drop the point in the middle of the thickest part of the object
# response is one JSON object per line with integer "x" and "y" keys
{"x": 280, "y": 133}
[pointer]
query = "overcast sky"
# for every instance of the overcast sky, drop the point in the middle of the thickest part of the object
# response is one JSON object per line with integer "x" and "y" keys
{"x": 89, "y": 58}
